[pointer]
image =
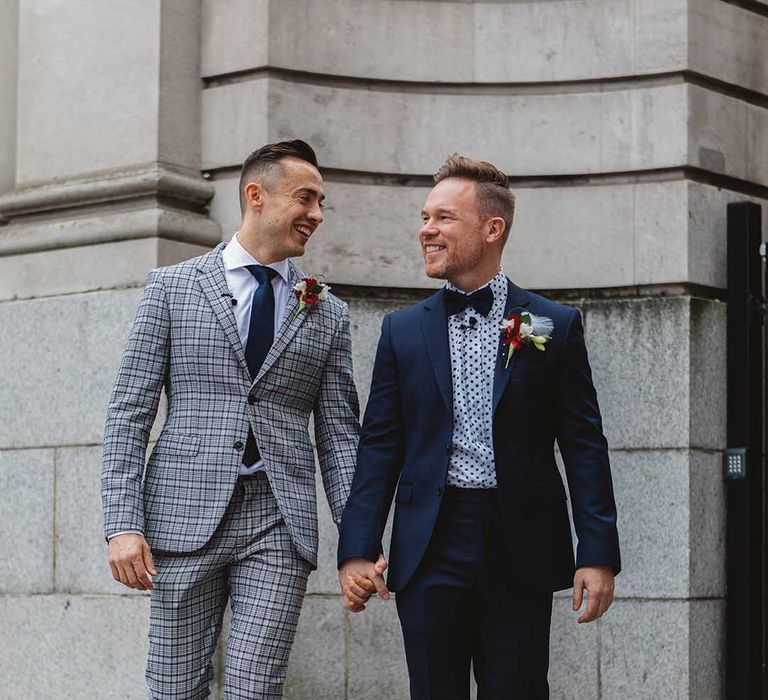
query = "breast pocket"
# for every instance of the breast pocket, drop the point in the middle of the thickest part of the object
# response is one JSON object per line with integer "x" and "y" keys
{"x": 534, "y": 368}
{"x": 310, "y": 345}
{"x": 531, "y": 392}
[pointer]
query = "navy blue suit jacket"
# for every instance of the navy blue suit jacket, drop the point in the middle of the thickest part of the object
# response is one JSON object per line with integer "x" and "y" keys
{"x": 539, "y": 398}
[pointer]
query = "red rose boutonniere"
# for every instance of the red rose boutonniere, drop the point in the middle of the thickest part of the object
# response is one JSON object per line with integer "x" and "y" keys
{"x": 309, "y": 291}
{"x": 519, "y": 329}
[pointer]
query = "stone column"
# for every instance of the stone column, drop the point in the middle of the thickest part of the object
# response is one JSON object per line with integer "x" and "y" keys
{"x": 106, "y": 185}
{"x": 9, "y": 22}
{"x": 107, "y": 169}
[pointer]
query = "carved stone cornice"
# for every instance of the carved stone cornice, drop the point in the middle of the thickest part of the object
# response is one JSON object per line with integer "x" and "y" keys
{"x": 152, "y": 180}
{"x": 107, "y": 227}
{"x": 149, "y": 201}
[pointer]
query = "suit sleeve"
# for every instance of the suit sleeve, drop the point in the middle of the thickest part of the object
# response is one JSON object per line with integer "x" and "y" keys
{"x": 379, "y": 460}
{"x": 337, "y": 425}
{"x": 585, "y": 454}
{"x": 132, "y": 409}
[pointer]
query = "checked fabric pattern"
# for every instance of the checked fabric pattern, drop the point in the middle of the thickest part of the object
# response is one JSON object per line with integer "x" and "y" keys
{"x": 250, "y": 560}
{"x": 185, "y": 341}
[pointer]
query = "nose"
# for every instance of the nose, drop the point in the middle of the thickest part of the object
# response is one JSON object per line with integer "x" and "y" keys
{"x": 316, "y": 215}
{"x": 427, "y": 229}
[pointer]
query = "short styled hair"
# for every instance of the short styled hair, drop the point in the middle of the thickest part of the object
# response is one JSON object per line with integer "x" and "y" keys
{"x": 264, "y": 163}
{"x": 491, "y": 186}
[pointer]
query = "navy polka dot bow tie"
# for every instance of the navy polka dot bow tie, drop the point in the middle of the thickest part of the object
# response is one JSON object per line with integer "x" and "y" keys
{"x": 481, "y": 301}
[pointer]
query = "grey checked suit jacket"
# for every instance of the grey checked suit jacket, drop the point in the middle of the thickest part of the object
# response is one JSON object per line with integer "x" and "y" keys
{"x": 185, "y": 340}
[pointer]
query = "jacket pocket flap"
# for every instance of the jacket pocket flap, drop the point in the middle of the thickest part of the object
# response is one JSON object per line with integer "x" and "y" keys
{"x": 177, "y": 444}
{"x": 404, "y": 493}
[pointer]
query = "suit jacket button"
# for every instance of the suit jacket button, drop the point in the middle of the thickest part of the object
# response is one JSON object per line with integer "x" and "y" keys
{"x": 251, "y": 399}
{"x": 439, "y": 490}
{"x": 239, "y": 446}
{"x": 448, "y": 449}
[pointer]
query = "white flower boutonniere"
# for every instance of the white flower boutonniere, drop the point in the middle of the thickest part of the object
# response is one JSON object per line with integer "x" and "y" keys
{"x": 309, "y": 291}
{"x": 518, "y": 329}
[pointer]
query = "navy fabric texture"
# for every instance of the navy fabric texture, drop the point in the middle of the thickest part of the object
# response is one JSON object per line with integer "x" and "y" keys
{"x": 460, "y": 607}
{"x": 539, "y": 398}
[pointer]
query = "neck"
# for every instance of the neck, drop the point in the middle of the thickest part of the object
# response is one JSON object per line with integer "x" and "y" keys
{"x": 474, "y": 279}
{"x": 257, "y": 246}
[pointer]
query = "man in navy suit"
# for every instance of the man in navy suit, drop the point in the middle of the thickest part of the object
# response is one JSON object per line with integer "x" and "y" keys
{"x": 470, "y": 390}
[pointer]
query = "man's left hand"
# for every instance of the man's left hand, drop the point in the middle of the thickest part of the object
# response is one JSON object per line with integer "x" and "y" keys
{"x": 360, "y": 579}
{"x": 597, "y": 581}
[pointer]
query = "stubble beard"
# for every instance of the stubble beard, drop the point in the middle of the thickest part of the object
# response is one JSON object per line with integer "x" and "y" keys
{"x": 451, "y": 269}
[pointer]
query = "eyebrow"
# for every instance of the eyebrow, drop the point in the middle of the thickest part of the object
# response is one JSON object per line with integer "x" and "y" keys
{"x": 440, "y": 210}
{"x": 311, "y": 190}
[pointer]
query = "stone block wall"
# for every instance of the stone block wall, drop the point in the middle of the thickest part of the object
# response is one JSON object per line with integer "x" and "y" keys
{"x": 627, "y": 126}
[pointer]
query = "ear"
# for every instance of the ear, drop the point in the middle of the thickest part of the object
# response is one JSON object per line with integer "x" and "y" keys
{"x": 495, "y": 229}
{"x": 254, "y": 196}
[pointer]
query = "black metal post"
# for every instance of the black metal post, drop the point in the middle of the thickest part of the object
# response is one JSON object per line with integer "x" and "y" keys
{"x": 764, "y": 485}
{"x": 744, "y": 469}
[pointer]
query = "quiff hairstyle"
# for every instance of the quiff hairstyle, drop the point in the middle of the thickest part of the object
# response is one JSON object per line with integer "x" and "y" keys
{"x": 263, "y": 165}
{"x": 494, "y": 197}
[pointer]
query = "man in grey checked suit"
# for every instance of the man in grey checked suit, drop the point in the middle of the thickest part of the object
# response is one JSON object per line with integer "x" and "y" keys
{"x": 226, "y": 508}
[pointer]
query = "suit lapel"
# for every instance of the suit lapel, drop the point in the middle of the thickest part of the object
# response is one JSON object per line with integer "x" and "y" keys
{"x": 434, "y": 323}
{"x": 291, "y": 323}
{"x": 214, "y": 284}
{"x": 516, "y": 299}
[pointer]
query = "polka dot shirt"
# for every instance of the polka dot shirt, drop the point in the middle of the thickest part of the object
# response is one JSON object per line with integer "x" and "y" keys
{"x": 474, "y": 345}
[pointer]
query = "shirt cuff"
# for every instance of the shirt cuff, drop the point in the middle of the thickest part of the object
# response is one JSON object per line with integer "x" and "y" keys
{"x": 124, "y": 532}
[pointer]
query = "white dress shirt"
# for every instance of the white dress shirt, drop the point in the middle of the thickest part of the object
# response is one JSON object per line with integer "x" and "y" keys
{"x": 243, "y": 284}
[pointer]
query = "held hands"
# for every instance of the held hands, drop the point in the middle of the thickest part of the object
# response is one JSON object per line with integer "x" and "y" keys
{"x": 598, "y": 582}
{"x": 131, "y": 561}
{"x": 359, "y": 579}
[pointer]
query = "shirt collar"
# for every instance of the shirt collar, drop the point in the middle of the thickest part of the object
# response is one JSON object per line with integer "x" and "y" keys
{"x": 235, "y": 256}
{"x": 497, "y": 285}
{"x": 499, "y": 288}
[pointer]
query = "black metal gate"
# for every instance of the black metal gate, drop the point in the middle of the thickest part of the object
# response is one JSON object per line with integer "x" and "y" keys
{"x": 744, "y": 462}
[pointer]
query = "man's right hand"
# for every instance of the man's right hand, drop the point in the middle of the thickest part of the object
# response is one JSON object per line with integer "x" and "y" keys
{"x": 131, "y": 560}
{"x": 359, "y": 579}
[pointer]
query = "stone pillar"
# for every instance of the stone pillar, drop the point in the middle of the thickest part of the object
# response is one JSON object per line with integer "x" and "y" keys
{"x": 9, "y": 22}
{"x": 107, "y": 168}
{"x": 106, "y": 185}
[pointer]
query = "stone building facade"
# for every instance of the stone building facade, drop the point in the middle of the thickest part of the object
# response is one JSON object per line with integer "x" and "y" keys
{"x": 627, "y": 126}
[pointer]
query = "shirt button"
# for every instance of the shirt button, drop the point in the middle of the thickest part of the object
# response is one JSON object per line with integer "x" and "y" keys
{"x": 238, "y": 446}
{"x": 251, "y": 399}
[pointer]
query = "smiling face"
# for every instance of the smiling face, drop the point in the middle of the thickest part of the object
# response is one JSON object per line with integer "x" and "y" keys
{"x": 454, "y": 237}
{"x": 283, "y": 211}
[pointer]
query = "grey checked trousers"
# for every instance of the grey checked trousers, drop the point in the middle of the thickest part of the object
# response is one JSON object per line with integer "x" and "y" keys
{"x": 252, "y": 561}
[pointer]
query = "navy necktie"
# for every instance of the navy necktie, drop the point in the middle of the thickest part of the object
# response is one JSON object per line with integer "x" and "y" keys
{"x": 456, "y": 302}
{"x": 261, "y": 333}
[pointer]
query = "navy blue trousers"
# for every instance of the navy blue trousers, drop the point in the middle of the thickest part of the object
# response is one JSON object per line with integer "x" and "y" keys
{"x": 460, "y": 608}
